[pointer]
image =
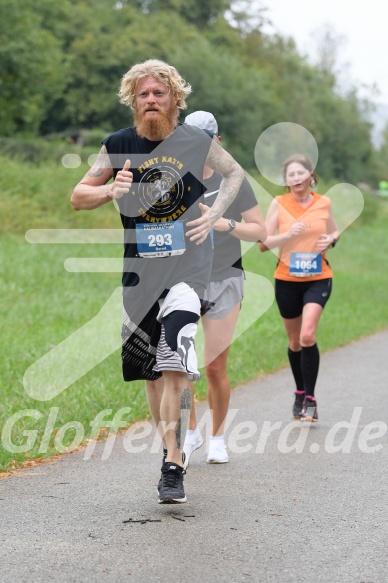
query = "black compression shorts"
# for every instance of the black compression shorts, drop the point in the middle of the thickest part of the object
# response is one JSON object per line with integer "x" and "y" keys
{"x": 291, "y": 296}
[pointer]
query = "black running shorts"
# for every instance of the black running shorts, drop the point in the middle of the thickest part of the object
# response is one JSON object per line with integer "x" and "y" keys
{"x": 291, "y": 296}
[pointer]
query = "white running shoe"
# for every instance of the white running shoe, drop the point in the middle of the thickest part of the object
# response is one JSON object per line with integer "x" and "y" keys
{"x": 217, "y": 452}
{"x": 193, "y": 441}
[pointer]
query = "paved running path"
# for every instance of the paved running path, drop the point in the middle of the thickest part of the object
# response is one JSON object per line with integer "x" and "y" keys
{"x": 267, "y": 516}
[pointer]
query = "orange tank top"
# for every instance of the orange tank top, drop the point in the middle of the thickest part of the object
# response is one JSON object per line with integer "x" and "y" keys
{"x": 299, "y": 258}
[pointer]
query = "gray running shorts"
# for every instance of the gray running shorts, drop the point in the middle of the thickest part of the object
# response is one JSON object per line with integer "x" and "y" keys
{"x": 225, "y": 294}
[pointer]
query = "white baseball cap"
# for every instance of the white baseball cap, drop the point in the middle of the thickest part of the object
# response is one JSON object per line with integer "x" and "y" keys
{"x": 203, "y": 120}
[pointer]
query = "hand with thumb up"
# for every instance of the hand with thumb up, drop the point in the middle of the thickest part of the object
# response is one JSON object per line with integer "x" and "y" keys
{"x": 123, "y": 181}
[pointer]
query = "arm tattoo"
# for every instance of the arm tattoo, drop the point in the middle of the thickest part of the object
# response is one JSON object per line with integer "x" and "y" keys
{"x": 181, "y": 427}
{"x": 232, "y": 176}
{"x": 101, "y": 164}
{"x": 95, "y": 172}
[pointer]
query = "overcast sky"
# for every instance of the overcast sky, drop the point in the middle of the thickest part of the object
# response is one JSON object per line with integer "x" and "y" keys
{"x": 364, "y": 26}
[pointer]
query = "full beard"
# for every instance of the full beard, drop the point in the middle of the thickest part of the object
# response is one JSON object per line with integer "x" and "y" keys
{"x": 156, "y": 128}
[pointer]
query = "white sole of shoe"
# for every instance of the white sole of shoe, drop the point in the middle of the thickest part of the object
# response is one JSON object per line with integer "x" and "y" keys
{"x": 188, "y": 455}
{"x": 173, "y": 501}
{"x": 214, "y": 461}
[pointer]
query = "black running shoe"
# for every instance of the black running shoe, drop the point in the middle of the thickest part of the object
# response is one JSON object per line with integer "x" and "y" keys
{"x": 298, "y": 404}
{"x": 171, "y": 485}
{"x": 310, "y": 410}
{"x": 164, "y": 461}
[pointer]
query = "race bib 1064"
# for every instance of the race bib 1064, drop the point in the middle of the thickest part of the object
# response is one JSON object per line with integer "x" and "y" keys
{"x": 160, "y": 239}
{"x": 305, "y": 264}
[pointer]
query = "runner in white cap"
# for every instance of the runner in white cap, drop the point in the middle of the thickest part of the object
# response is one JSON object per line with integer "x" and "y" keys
{"x": 241, "y": 221}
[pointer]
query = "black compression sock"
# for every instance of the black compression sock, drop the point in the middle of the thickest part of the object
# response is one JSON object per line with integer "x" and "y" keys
{"x": 296, "y": 368}
{"x": 310, "y": 366}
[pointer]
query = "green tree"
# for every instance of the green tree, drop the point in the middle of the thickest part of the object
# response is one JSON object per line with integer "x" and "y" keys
{"x": 380, "y": 159}
{"x": 30, "y": 66}
{"x": 198, "y": 12}
{"x": 61, "y": 65}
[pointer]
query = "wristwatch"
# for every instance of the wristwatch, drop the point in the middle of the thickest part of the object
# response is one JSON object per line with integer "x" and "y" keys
{"x": 232, "y": 225}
